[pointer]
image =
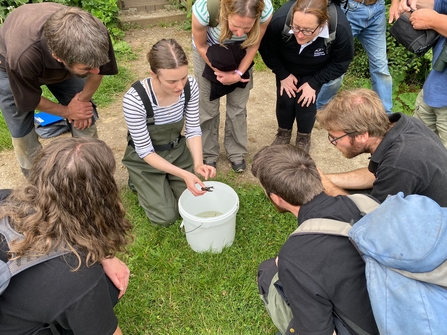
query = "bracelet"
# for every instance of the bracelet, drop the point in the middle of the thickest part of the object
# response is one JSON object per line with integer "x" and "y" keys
{"x": 238, "y": 72}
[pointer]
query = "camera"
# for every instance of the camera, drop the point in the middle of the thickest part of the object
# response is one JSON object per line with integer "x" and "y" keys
{"x": 441, "y": 61}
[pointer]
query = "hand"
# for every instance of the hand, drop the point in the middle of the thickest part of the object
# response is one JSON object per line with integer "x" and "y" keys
{"x": 82, "y": 124}
{"x": 206, "y": 171}
{"x": 288, "y": 86}
{"x": 229, "y": 78}
{"x": 407, "y": 6}
{"x": 307, "y": 95}
{"x": 423, "y": 18}
{"x": 79, "y": 110}
{"x": 191, "y": 180}
{"x": 394, "y": 11}
{"x": 118, "y": 273}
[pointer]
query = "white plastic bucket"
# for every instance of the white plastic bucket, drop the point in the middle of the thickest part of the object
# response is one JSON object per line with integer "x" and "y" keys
{"x": 210, "y": 220}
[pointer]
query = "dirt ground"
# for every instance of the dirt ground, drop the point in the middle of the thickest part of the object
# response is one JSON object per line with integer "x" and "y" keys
{"x": 261, "y": 119}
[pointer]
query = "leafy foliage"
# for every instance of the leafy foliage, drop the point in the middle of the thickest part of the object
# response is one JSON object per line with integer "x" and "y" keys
{"x": 105, "y": 10}
{"x": 6, "y": 6}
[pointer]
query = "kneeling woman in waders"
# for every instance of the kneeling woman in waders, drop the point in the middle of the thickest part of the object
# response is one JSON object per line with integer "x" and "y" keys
{"x": 159, "y": 163}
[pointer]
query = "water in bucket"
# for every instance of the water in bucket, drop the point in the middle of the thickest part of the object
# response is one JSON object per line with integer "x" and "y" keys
{"x": 210, "y": 220}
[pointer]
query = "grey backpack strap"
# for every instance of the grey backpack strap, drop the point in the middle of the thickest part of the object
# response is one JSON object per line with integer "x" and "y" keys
{"x": 18, "y": 265}
{"x": 364, "y": 203}
{"x": 286, "y": 35}
{"x": 323, "y": 226}
{"x": 333, "y": 21}
{"x": 7, "y": 231}
{"x": 213, "y": 7}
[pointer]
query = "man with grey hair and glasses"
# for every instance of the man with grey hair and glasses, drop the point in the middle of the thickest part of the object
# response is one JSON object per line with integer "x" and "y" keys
{"x": 64, "y": 48}
{"x": 406, "y": 156}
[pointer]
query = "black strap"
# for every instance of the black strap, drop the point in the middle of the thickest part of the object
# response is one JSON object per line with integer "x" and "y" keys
{"x": 150, "y": 113}
{"x": 147, "y": 103}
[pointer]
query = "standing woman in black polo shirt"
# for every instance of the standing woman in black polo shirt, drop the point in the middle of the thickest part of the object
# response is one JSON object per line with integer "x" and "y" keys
{"x": 303, "y": 58}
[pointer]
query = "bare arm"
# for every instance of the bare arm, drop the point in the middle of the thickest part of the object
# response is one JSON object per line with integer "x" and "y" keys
{"x": 229, "y": 78}
{"x": 91, "y": 86}
{"x": 162, "y": 164}
{"x": 195, "y": 147}
{"x": 429, "y": 19}
{"x": 80, "y": 109}
{"x": 118, "y": 273}
{"x": 251, "y": 51}
{"x": 199, "y": 34}
{"x": 359, "y": 179}
{"x": 118, "y": 331}
{"x": 408, "y": 5}
{"x": 329, "y": 187}
{"x": 76, "y": 110}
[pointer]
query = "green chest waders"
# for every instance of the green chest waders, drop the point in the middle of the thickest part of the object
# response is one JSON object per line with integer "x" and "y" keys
{"x": 158, "y": 191}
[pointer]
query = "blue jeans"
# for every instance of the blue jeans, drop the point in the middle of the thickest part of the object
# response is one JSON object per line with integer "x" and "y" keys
{"x": 21, "y": 123}
{"x": 368, "y": 24}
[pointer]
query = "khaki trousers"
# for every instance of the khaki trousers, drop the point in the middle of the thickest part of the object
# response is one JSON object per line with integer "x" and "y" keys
{"x": 235, "y": 139}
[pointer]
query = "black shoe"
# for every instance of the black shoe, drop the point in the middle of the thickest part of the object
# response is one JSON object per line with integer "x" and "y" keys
{"x": 238, "y": 166}
{"x": 213, "y": 164}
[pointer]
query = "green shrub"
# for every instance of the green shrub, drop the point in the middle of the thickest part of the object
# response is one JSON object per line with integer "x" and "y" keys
{"x": 105, "y": 10}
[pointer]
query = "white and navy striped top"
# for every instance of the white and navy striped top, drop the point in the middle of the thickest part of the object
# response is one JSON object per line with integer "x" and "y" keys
{"x": 135, "y": 116}
{"x": 200, "y": 11}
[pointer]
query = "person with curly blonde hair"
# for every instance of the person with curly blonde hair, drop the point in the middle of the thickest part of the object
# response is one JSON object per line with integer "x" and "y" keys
{"x": 240, "y": 24}
{"x": 71, "y": 201}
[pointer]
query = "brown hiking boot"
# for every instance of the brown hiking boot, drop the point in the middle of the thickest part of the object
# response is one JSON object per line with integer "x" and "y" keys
{"x": 282, "y": 136}
{"x": 303, "y": 141}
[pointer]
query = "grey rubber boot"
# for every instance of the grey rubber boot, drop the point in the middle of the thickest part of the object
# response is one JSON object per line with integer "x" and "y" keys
{"x": 282, "y": 136}
{"x": 303, "y": 141}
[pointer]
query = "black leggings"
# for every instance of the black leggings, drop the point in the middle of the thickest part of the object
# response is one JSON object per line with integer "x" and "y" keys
{"x": 288, "y": 110}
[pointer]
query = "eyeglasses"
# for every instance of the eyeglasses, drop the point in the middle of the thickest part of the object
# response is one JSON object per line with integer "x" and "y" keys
{"x": 305, "y": 32}
{"x": 333, "y": 140}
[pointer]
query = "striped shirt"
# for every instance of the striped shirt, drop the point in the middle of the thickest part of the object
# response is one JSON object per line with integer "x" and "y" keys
{"x": 200, "y": 11}
{"x": 135, "y": 115}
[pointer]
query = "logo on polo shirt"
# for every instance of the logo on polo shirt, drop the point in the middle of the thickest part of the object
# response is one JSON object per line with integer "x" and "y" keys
{"x": 319, "y": 52}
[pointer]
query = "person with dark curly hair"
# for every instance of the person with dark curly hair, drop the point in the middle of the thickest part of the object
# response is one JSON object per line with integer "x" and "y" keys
{"x": 71, "y": 201}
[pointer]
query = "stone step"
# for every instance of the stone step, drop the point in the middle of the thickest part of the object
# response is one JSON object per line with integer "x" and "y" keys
{"x": 145, "y": 6}
{"x": 147, "y": 18}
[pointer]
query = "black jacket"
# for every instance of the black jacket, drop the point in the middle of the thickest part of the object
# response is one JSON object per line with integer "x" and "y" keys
{"x": 323, "y": 63}
{"x": 224, "y": 58}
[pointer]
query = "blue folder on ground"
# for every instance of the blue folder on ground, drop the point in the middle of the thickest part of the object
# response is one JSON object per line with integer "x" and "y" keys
{"x": 49, "y": 125}
{"x": 44, "y": 119}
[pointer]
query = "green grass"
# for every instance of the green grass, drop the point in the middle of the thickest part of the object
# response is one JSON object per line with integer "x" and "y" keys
{"x": 174, "y": 290}
{"x": 5, "y": 137}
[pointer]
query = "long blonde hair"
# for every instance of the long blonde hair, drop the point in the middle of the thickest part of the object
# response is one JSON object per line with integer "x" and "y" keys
{"x": 244, "y": 8}
{"x": 71, "y": 201}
